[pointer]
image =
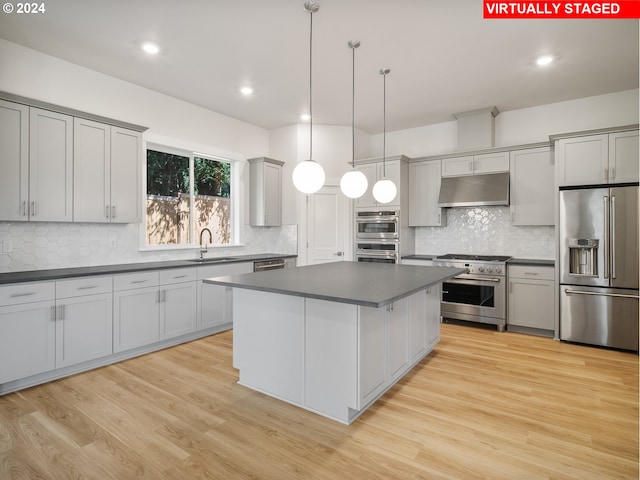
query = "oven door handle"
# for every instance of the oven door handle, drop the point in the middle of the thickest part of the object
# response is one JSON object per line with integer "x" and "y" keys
{"x": 479, "y": 279}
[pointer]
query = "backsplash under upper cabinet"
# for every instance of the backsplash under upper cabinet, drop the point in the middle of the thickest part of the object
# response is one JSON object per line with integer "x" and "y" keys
{"x": 485, "y": 231}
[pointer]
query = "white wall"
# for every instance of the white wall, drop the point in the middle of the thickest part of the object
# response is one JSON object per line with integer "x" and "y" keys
{"x": 517, "y": 127}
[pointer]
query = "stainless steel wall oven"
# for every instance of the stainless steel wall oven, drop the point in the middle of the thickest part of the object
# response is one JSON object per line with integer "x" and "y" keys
{"x": 378, "y": 236}
{"x": 378, "y": 225}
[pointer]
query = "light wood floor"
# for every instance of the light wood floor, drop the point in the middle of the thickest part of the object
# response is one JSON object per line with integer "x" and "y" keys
{"x": 483, "y": 405}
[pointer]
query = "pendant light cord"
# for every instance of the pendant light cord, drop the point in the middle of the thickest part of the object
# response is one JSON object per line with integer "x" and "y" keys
{"x": 384, "y": 123}
{"x": 310, "y": 87}
{"x": 353, "y": 108}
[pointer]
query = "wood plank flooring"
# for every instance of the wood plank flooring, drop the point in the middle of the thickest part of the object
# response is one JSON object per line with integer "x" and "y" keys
{"x": 483, "y": 405}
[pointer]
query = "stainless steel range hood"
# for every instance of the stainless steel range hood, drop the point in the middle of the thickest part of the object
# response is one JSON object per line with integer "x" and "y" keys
{"x": 474, "y": 190}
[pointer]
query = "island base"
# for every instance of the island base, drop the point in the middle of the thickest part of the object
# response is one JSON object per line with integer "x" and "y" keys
{"x": 334, "y": 359}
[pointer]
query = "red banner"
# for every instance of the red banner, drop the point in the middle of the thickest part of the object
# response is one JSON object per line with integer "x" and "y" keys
{"x": 561, "y": 9}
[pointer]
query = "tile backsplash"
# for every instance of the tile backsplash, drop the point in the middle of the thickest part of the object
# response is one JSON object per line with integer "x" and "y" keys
{"x": 485, "y": 231}
{"x": 35, "y": 246}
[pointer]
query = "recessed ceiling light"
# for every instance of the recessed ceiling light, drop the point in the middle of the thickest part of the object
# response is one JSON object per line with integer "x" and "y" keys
{"x": 305, "y": 117}
{"x": 246, "y": 90}
{"x": 544, "y": 60}
{"x": 150, "y": 48}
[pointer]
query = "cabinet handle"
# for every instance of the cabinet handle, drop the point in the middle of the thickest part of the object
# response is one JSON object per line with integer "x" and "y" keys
{"x": 138, "y": 281}
{"x": 113, "y": 211}
{"x": 33, "y": 208}
{"x": 106, "y": 211}
{"x": 88, "y": 287}
{"x": 164, "y": 296}
{"x": 532, "y": 273}
{"x": 53, "y": 313}
{"x": 24, "y": 208}
{"x": 60, "y": 312}
{"x": 179, "y": 276}
{"x": 22, "y": 294}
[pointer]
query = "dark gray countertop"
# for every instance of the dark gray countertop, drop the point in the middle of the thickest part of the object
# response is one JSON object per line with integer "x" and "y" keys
{"x": 60, "y": 273}
{"x": 418, "y": 257}
{"x": 366, "y": 284}
{"x": 531, "y": 261}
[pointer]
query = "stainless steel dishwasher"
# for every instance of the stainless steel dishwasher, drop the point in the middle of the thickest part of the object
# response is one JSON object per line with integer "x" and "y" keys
{"x": 264, "y": 265}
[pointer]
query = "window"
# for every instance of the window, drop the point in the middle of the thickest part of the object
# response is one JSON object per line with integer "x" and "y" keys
{"x": 187, "y": 192}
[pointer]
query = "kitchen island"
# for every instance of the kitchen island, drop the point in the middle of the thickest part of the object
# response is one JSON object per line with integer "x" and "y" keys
{"x": 332, "y": 338}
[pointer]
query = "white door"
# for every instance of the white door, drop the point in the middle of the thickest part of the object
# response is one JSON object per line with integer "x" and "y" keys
{"x": 327, "y": 212}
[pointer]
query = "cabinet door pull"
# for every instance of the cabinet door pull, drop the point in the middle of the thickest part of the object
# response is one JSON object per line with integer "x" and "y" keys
{"x": 106, "y": 211}
{"x": 531, "y": 273}
{"x": 24, "y": 208}
{"x": 179, "y": 276}
{"x": 33, "y": 208}
{"x": 164, "y": 295}
{"x": 138, "y": 281}
{"x": 53, "y": 313}
{"x": 87, "y": 287}
{"x": 113, "y": 211}
{"x": 22, "y": 294}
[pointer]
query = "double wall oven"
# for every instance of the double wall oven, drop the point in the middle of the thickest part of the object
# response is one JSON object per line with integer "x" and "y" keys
{"x": 378, "y": 236}
{"x": 476, "y": 296}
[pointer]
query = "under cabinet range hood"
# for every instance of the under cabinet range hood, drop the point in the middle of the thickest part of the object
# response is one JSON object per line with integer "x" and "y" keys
{"x": 475, "y": 190}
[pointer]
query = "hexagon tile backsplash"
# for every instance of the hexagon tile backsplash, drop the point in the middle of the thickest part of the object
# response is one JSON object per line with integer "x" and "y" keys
{"x": 485, "y": 231}
{"x": 43, "y": 245}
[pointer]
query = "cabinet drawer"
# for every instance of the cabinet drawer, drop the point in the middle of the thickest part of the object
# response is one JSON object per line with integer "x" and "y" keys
{"x": 532, "y": 272}
{"x": 135, "y": 280}
{"x": 27, "y": 293}
{"x": 177, "y": 275}
{"x": 84, "y": 286}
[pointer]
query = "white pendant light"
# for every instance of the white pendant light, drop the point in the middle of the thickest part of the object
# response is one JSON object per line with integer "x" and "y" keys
{"x": 353, "y": 183}
{"x": 384, "y": 191}
{"x": 308, "y": 176}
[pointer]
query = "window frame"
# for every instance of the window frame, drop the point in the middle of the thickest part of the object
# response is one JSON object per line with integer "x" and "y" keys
{"x": 192, "y": 151}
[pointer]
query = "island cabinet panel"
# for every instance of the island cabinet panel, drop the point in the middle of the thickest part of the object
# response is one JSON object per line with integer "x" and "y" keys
{"x": 331, "y": 361}
{"x": 372, "y": 361}
{"x": 417, "y": 335}
{"x": 432, "y": 316}
{"x": 268, "y": 343}
{"x": 397, "y": 338}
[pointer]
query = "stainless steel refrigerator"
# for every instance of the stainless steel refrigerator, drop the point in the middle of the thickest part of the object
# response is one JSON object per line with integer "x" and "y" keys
{"x": 599, "y": 266}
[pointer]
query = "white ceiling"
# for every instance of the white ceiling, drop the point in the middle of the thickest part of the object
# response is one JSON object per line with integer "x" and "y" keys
{"x": 444, "y": 57}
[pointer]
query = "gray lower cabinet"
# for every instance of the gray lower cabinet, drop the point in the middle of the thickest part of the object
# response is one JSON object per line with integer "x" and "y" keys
{"x": 531, "y": 298}
{"x": 215, "y": 302}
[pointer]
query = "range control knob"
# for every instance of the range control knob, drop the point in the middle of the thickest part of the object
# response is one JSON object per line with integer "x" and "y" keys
{"x": 489, "y": 269}
{"x": 481, "y": 268}
{"x": 498, "y": 270}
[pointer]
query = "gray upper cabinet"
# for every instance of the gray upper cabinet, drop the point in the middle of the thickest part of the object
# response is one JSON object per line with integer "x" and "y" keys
{"x": 475, "y": 164}
{"x": 14, "y": 155}
{"x": 107, "y": 173}
{"x": 598, "y": 159}
{"x": 424, "y": 189}
{"x": 532, "y": 187}
{"x": 265, "y": 192}
{"x": 37, "y": 163}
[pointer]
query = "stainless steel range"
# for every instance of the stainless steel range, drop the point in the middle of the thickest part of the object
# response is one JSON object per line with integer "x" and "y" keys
{"x": 477, "y": 296}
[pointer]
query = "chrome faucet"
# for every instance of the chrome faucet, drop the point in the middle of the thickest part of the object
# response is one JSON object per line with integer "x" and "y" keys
{"x": 204, "y": 250}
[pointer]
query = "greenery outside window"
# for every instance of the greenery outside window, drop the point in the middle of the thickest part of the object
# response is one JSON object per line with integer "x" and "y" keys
{"x": 187, "y": 192}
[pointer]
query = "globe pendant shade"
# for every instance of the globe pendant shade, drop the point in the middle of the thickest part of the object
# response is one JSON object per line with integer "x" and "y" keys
{"x": 308, "y": 176}
{"x": 354, "y": 183}
{"x": 384, "y": 191}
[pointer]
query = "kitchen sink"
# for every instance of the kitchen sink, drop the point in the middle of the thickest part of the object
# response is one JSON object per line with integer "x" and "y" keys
{"x": 212, "y": 259}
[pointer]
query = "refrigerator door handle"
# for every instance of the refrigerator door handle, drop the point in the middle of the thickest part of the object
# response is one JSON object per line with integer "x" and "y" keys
{"x": 613, "y": 236}
{"x": 568, "y": 291}
{"x": 607, "y": 222}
